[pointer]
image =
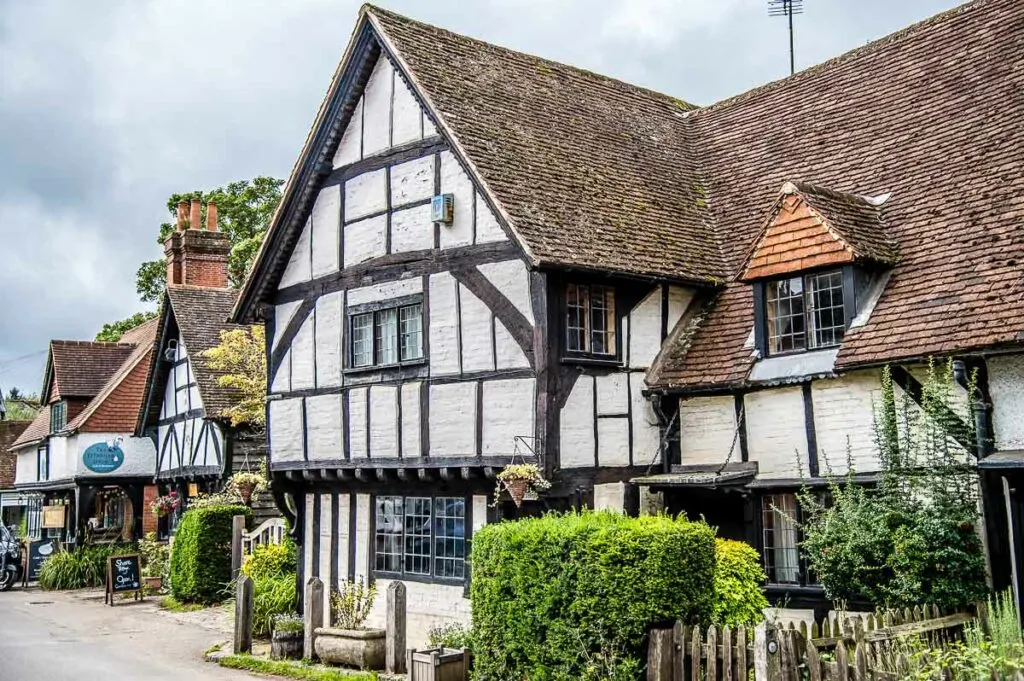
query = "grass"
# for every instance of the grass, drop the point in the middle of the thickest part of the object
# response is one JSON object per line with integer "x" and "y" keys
{"x": 294, "y": 670}
{"x": 174, "y": 605}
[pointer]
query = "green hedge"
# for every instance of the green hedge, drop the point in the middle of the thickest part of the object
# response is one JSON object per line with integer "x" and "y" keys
{"x": 572, "y": 596}
{"x": 739, "y": 598}
{"x": 201, "y": 557}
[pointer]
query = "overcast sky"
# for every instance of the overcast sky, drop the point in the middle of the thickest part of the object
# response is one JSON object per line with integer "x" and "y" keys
{"x": 109, "y": 106}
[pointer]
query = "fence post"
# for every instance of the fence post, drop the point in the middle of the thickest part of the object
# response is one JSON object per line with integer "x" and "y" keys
{"x": 395, "y": 627}
{"x": 659, "y": 655}
{"x": 243, "y": 616}
{"x": 762, "y": 671}
{"x": 313, "y": 613}
{"x": 679, "y": 652}
{"x": 237, "y": 529}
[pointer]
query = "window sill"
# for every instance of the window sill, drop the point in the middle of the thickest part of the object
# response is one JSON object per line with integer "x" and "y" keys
{"x": 592, "y": 361}
{"x": 424, "y": 579}
{"x": 385, "y": 367}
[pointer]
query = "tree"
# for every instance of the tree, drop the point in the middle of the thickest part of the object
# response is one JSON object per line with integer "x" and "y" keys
{"x": 912, "y": 539}
{"x": 20, "y": 406}
{"x": 241, "y": 355}
{"x": 244, "y": 211}
{"x": 113, "y": 331}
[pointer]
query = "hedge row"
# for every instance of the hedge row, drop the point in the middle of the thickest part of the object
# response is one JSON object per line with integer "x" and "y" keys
{"x": 572, "y": 596}
{"x": 201, "y": 557}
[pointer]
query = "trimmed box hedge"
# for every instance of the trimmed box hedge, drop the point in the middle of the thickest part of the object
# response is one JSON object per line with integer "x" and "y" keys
{"x": 573, "y": 596}
{"x": 201, "y": 557}
{"x": 739, "y": 598}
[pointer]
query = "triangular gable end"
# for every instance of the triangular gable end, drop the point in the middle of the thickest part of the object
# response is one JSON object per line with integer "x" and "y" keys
{"x": 795, "y": 239}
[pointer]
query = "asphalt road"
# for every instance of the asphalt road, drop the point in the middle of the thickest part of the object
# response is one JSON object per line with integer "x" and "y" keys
{"x": 75, "y": 637}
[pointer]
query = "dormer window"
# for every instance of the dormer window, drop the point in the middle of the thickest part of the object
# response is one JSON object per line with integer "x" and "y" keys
{"x": 805, "y": 312}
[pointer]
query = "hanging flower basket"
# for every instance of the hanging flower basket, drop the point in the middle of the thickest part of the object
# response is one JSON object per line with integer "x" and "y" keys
{"x": 246, "y": 484}
{"x": 246, "y": 489}
{"x": 166, "y": 505}
{"x": 521, "y": 480}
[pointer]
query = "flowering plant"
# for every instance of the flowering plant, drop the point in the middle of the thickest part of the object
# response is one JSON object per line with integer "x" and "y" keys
{"x": 519, "y": 479}
{"x": 167, "y": 504}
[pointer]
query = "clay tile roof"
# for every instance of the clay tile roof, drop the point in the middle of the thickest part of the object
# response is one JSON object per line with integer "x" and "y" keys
{"x": 857, "y": 219}
{"x": 36, "y": 431}
{"x": 81, "y": 368}
{"x": 201, "y": 314}
{"x": 932, "y": 115}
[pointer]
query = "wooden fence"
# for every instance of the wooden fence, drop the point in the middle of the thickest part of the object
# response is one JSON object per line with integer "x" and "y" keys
{"x": 841, "y": 648}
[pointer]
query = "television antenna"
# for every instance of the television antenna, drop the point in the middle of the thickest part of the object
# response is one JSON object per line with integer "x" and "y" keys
{"x": 787, "y": 8}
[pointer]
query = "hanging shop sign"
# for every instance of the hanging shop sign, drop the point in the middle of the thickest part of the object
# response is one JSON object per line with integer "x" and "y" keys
{"x": 103, "y": 458}
{"x": 53, "y": 517}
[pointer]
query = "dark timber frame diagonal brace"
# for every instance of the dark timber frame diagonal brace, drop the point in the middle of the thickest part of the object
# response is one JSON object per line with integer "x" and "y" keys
{"x": 288, "y": 335}
{"x": 957, "y": 429}
{"x": 515, "y": 321}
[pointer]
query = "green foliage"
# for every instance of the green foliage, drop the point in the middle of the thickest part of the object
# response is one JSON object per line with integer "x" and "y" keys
{"x": 174, "y": 605}
{"x": 273, "y": 596}
{"x": 244, "y": 211}
{"x": 269, "y": 560}
{"x": 572, "y": 596}
{"x": 241, "y": 355}
{"x": 113, "y": 331}
{"x": 20, "y": 406}
{"x": 351, "y": 604}
{"x": 156, "y": 556}
{"x": 288, "y": 624}
{"x": 912, "y": 539}
{"x": 201, "y": 559}
{"x": 450, "y": 635}
{"x": 738, "y": 579}
{"x": 294, "y": 670}
{"x": 80, "y": 568}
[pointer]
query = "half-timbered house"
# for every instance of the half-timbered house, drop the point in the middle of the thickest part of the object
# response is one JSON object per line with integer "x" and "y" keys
{"x": 484, "y": 257}
{"x": 197, "y": 447}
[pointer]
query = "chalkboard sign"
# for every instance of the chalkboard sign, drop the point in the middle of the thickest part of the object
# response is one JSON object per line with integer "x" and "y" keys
{"x": 123, "y": 575}
{"x": 38, "y": 551}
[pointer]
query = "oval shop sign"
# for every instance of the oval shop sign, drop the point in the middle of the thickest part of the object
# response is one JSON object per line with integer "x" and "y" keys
{"x": 103, "y": 458}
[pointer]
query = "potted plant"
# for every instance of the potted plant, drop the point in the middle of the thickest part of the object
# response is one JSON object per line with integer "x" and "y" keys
{"x": 520, "y": 479}
{"x": 286, "y": 638}
{"x": 348, "y": 642}
{"x": 246, "y": 483}
{"x": 166, "y": 505}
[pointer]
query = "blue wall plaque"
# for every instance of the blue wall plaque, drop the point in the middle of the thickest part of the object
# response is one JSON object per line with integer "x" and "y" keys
{"x": 103, "y": 458}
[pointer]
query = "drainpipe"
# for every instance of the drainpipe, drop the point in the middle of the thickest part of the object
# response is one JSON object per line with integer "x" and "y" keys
{"x": 980, "y": 406}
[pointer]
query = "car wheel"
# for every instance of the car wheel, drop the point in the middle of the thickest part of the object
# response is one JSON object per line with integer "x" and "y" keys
{"x": 6, "y": 580}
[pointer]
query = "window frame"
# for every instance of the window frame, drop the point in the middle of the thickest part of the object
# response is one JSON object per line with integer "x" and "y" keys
{"x": 43, "y": 463}
{"x": 405, "y": 573}
{"x": 377, "y": 311}
{"x": 58, "y": 416}
{"x": 612, "y": 318}
{"x": 804, "y": 576}
{"x": 762, "y": 318}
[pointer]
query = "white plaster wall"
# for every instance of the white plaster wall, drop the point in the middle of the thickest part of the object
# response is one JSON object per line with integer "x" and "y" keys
{"x": 645, "y": 330}
{"x": 364, "y": 194}
{"x": 302, "y": 363}
{"x": 455, "y": 181}
{"x": 326, "y": 529}
{"x": 383, "y": 421}
{"x": 326, "y": 219}
{"x": 613, "y": 441}
{"x": 363, "y": 538}
{"x": 678, "y": 300}
{"x": 307, "y": 535}
{"x": 344, "y": 511}
{"x": 613, "y": 394}
{"x": 377, "y": 114}
{"x": 477, "y": 352}
{"x": 350, "y": 148}
{"x": 324, "y": 427}
{"x": 410, "y": 396}
{"x": 487, "y": 228}
{"x": 707, "y": 430}
{"x": 646, "y": 431}
{"x": 330, "y": 333}
{"x": 776, "y": 436}
{"x": 453, "y": 419}
{"x": 358, "y": 438}
{"x": 364, "y": 240}
{"x": 513, "y": 279}
{"x": 507, "y": 352}
{"x": 412, "y": 230}
{"x": 298, "y": 268}
{"x": 139, "y": 453}
{"x": 26, "y": 470}
{"x": 610, "y": 497}
{"x": 283, "y": 377}
{"x": 1006, "y": 386}
{"x": 406, "y": 117}
{"x": 62, "y": 464}
{"x": 480, "y": 506}
{"x": 413, "y": 181}
{"x": 443, "y": 328}
{"x": 286, "y": 430}
{"x": 379, "y": 292}
{"x": 576, "y": 440}
{"x": 509, "y": 410}
{"x": 844, "y": 419}
{"x": 427, "y": 605}
{"x": 282, "y": 315}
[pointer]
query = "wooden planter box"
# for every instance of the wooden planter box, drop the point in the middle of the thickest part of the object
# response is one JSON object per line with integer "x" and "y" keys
{"x": 438, "y": 664}
{"x": 153, "y": 583}
{"x": 286, "y": 645}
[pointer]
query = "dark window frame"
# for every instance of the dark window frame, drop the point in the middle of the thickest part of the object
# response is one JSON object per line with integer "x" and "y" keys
{"x": 612, "y": 313}
{"x": 847, "y": 290}
{"x": 375, "y": 311}
{"x": 403, "y": 554}
{"x": 58, "y": 416}
{"x": 804, "y": 576}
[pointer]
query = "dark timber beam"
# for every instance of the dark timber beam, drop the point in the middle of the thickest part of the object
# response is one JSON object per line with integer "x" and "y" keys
{"x": 953, "y": 424}
{"x": 399, "y": 154}
{"x": 514, "y": 321}
{"x": 403, "y": 474}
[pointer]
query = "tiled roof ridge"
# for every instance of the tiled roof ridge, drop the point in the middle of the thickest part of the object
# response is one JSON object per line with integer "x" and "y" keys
{"x": 196, "y": 287}
{"x": 811, "y": 71}
{"x": 610, "y": 80}
{"x": 805, "y": 187}
{"x": 94, "y": 344}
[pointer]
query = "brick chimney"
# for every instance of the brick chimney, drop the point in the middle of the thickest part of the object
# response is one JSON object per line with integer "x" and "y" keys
{"x": 197, "y": 256}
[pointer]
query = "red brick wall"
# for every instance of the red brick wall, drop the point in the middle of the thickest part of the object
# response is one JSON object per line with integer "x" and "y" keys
{"x": 198, "y": 257}
{"x": 149, "y": 519}
{"x": 9, "y": 432}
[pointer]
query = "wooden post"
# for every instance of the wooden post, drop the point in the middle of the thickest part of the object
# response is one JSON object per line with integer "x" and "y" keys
{"x": 695, "y": 637}
{"x": 237, "y": 528}
{"x": 313, "y": 614}
{"x": 727, "y": 653}
{"x": 395, "y": 626}
{"x": 761, "y": 665}
{"x": 842, "y": 665}
{"x": 787, "y": 654}
{"x": 712, "y": 668}
{"x": 243, "y": 616}
{"x": 679, "y": 633}
{"x": 659, "y": 655}
{"x": 741, "y": 653}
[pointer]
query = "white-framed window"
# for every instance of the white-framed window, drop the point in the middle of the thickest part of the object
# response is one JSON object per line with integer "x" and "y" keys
{"x": 386, "y": 336}
{"x": 43, "y": 463}
{"x": 805, "y": 312}
{"x": 780, "y": 541}
{"x": 590, "y": 320}
{"x": 421, "y": 537}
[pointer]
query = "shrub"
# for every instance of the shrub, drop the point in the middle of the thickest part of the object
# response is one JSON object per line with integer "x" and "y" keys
{"x": 269, "y": 560}
{"x": 288, "y": 623}
{"x": 450, "y": 635}
{"x": 272, "y": 597}
{"x": 201, "y": 559}
{"x": 80, "y": 568}
{"x": 738, "y": 579}
{"x": 350, "y": 605}
{"x": 563, "y": 596}
{"x": 156, "y": 556}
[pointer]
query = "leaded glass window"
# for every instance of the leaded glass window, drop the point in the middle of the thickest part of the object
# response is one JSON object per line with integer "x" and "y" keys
{"x": 590, "y": 320}
{"x": 422, "y": 536}
{"x": 450, "y": 537}
{"x": 362, "y": 344}
{"x": 411, "y": 323}
{"x": 805, "y": 312}
{"x": 388, "y": 533}
{"x": 781, "y": 552}
{"x": 386, "y": 337}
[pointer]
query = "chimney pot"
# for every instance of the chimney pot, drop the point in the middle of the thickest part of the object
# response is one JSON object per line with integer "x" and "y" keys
{"x": 211, "y": 216}
{"x": 182, "y": 215}
{"x": 196, "y": 218}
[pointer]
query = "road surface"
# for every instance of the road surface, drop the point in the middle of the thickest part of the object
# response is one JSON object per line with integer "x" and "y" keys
{"x": 47, "y": 636}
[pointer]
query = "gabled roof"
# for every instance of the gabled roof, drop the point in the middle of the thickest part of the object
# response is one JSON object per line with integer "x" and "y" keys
{"x": 81, "y": 368}
{"x": 932, "y": 115}
{"x": 36, "y": 431}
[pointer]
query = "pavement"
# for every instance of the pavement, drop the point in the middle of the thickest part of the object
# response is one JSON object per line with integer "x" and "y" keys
{"x": 73, "y": 636}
